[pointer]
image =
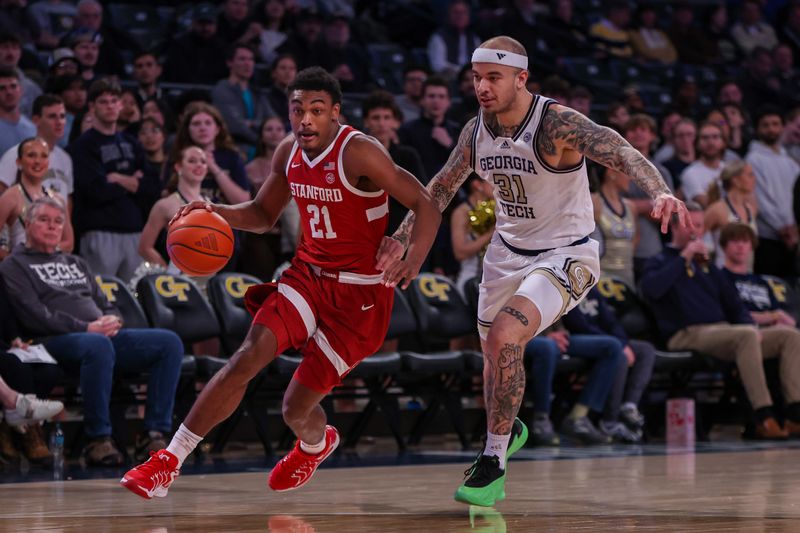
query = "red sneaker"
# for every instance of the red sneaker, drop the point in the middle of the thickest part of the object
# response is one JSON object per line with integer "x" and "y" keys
{"x": 296, "y": 469}
{"x": 153, "y": 477}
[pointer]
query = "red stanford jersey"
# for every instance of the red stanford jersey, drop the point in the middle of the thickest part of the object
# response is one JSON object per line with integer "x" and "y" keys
{"x": 342, "y": 226}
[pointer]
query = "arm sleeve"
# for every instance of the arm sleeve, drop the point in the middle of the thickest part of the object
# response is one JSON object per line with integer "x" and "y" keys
{"x": 31, "y": 311}
{"x": 661, "y": 273}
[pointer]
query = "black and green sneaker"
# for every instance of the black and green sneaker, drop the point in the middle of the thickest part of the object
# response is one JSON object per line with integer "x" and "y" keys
{"x": 485, "y": 481}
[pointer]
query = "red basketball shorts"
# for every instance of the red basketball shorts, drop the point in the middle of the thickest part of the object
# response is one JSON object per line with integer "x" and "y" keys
{"x": 335, "y": 319}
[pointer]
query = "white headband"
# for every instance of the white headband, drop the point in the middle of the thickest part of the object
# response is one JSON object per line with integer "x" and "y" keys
{"x": 501, "y": 57}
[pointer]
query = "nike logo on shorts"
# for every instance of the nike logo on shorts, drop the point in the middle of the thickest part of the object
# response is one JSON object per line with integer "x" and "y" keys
{"x": 366, "y": 307}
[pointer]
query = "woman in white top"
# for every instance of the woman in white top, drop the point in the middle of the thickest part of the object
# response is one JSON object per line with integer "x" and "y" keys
{"x": 184, "y": 187}
{"x": 736, "y": 204}
{"x": 33, "y": 162}
{"x": 616, "y": 220}
{"x": 467, "y": 246}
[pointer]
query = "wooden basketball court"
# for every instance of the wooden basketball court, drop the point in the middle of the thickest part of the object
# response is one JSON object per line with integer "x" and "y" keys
{"x": 748, "y": 491}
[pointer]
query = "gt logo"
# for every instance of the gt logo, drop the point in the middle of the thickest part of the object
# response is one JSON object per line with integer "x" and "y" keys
{"x": 236, "y": 286}
{"x": 167, "y": 287}
{"x": 109, "y": 288}
{"x": 778, "y": 289}
{"x": 611, "y": 289}
{"x": 432, "y": 288}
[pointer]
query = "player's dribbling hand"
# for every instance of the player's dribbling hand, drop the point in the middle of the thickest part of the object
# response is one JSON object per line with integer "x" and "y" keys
{"x": 663, "y": 208}
{"x": 191, "y": 206}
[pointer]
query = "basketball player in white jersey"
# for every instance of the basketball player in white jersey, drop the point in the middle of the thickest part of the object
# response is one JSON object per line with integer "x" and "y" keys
{"x": 540, "y": 262}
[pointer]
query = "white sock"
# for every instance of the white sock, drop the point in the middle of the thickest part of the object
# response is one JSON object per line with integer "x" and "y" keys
{"x": 313, "y": 449}
{"x": 183, "y": 443}
{"x": 497, "y": 445}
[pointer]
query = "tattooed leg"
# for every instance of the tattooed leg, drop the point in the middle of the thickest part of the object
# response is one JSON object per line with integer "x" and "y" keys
{"x": 504, "y": 368}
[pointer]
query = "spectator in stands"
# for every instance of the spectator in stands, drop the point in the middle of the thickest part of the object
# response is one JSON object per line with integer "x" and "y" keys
{"x": 776, "y": 174}
{"x": 562, "y": 34}
{"x": 632, "y": 98}
{"x": 789, "y": 27}
{"x": 651, "y": 44}
{"x": 85, "y": 44}
{"x": 621, "y": 419}
{"x": 686, "y": 97}
{"x": 580, "y": 99}
{"x": 469, "y": 241}
{"x": 555, "y": 87}
{"x": 684, "y": 137}
{"x": 49, "y": 116}
{"x": 545, "y": 351}
{"x": 779, "y": 334}
{"x": 183, "y": 187}
{"x": 14, "y": 126}
{"x": 63, "y": 63}
{"x": 718, "y": 117}
{"x": 33, "y": 156}
{"x": 669, "y": 119}
{"x": 690, "y": 41}
{"x": 382, "y": 118}
{"x": 130, "y": 113}
{"x": 751, "y": 31}
{"x": 790, "y": 138}
{"x": 739, "y": 137}
{"x": 55, "y": 18}
{"x": 113, "y": 39}
{"x": 271, "y": 16}
{"x": 305, "y": 42}
{"x": 111, "y": 191}
{"x": 730, "y": 92}
{"x": 20, "y": 384}
{"x": 617, "y": 115}
{"x": 759, "y": 83}
{"x": 722, "y": 47}
{"x": 233, "y": 22}
{"x": 616, "y": 220}
{"x": 151, "y": 137}
{"x": 346, "y": 60}
{"x": 10, "y": 54}
{"x": 261, "y": 253}
{"x": 199, "y": 55}
{"x": 146, "y": 71}
{"x": 783, "y": 59}
{"x": 698, "y": 176}
{"x": 452, "y": 44}
{"x": 71, "y": 89}
{"x": 282, "y": 73}
{"x": 640, "y": 131}
{"x": 735, "y": 203}
{"x": 519, "y": 22}
{"x": 610, "y": 34}
{"x": 15, "y": 18}
{"x": 158, "y": 111}
{"x": 410, "y": 101}
{"x": 243, "y": 107}
{"x": 468, "y": 105}
{"x": 697, "y": 308}
{"x": 55, "y": 295}
{"x": 432, "y": 135}
{"x": 202, "y": 125}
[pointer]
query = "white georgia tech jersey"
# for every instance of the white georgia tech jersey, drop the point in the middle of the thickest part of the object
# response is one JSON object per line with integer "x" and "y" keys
{"x": 538, "y": 207}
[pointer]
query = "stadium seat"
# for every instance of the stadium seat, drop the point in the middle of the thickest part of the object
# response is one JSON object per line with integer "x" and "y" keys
{"x": 443, "y": 315}
{"x": 226, "y": 294}
{"x": 386, "y": 65}
{"x": 785, "y": 295}
{"x": 118, "y": 294}
{"x": 142, "y": 22}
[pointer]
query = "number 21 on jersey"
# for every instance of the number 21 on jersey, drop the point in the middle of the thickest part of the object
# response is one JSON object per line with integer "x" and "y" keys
{"x": 320, "y": 222}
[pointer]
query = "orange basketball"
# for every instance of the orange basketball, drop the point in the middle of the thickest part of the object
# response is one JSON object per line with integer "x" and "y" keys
{"x": 200, "y": 243}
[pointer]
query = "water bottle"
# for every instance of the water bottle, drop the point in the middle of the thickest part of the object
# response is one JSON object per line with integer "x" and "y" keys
{"x": 57, "y": 449}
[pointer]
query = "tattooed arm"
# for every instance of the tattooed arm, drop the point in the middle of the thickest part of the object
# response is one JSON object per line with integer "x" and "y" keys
{"x": 566, "y": 129}
{"x": 442, "y": 188}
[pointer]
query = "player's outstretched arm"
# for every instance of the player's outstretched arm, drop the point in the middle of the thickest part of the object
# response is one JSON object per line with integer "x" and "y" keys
{"x": 260, "y": 214}
{"x": 565, "y": 128}
{"x": 365, "y": 156}
{"x": 442, "y": 188}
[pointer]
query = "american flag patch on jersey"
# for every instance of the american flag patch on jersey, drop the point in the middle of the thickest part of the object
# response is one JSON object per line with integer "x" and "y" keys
{"x": 330, "y": 165}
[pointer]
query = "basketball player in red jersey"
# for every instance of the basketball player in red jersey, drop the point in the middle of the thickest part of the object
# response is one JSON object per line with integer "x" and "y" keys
{"x": 331, "y": 303}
